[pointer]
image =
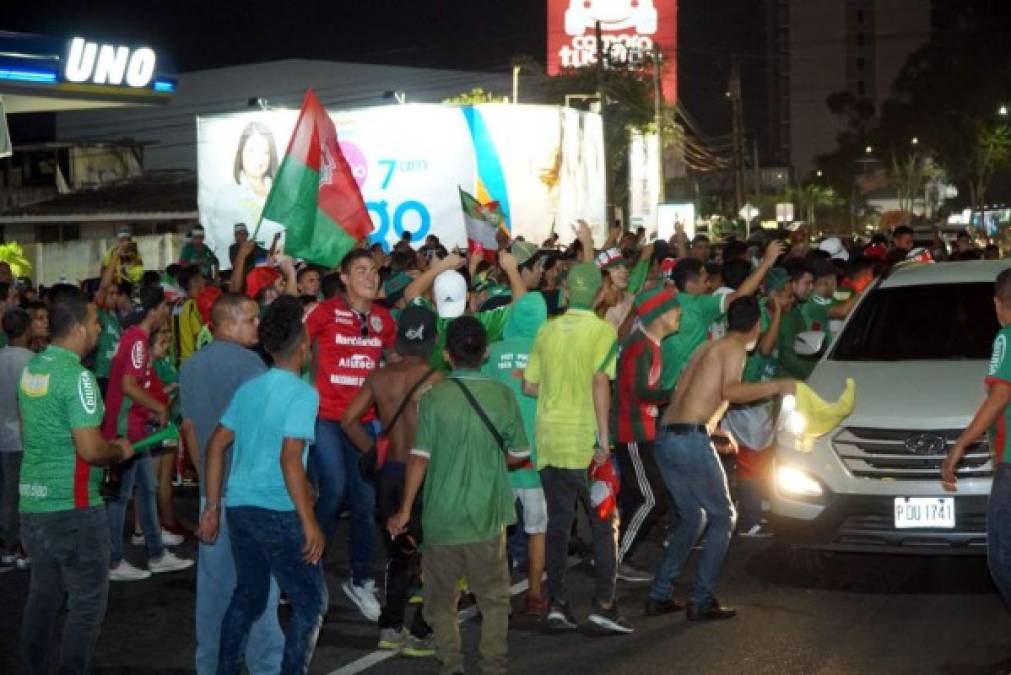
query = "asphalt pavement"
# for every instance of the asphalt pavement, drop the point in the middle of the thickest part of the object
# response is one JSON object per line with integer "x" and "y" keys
{"x": 851, "y": 614}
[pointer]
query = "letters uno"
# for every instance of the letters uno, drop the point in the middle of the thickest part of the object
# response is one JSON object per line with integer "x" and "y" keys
{"x": 109, "y": 64}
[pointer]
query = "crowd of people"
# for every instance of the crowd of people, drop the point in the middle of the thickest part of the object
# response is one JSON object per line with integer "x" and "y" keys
{"x": 463, "y": 409}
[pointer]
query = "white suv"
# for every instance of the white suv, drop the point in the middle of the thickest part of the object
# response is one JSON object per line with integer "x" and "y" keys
{"x": 612, "y": 15}
{"x": 917, "y": 346}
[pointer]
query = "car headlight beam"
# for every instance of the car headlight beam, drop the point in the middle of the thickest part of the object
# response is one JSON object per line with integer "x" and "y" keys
{"x": 794, "y": 482}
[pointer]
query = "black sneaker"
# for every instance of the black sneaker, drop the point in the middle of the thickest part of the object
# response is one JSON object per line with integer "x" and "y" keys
{"x": 560, "y": 617}
{"x": 609, "y": 619}
{"x": 711, "y": 611}
{"x": 656, "y": 607}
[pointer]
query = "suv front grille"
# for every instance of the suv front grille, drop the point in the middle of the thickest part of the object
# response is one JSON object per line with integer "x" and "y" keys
{"x": 883, "y": 454}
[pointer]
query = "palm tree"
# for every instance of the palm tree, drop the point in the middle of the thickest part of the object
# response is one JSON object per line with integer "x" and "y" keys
{"x": 809, "y": 198}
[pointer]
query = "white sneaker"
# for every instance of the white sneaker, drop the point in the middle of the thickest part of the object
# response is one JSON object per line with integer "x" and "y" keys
{"x": 168, "y": 563}
{"x": 124, "y": 571}
{"x": 364, "y": 597}
{"x": 167, "y": 538}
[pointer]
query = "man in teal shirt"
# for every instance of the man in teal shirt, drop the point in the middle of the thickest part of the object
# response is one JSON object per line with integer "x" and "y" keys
{"x": 506, "y": 362}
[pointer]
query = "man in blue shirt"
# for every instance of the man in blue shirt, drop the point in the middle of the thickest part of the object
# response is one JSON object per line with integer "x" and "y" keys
{"x": 269, "y": 424}
{"x": 207, "y": 382}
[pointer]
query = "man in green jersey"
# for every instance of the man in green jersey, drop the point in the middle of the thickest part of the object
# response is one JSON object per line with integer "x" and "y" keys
{"x": 63, "y": 521}
{"x": 699, "y": 311}
{"x": 993, "y": 415}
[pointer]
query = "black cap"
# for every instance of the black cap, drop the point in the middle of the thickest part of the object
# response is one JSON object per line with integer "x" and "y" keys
{"x": 416, "y": 331}
{"x": 151, "y": 297}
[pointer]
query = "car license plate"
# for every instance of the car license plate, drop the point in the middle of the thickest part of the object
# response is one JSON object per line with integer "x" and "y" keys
{"x": 913, "y": 512}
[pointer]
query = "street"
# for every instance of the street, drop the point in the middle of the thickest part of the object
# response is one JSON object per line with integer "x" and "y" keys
{"x": 860, "y": 614}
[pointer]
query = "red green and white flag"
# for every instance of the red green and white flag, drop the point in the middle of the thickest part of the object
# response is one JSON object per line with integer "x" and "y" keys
{"x": 314, "y": 196}
{"x": 482, "y": 222}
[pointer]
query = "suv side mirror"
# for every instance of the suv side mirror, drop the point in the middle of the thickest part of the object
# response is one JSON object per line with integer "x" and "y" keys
{"x": 809, "y": 343}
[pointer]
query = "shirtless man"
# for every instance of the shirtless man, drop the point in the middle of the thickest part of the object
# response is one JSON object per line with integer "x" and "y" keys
{"x": 690, "y": 466}
{"x": 389, "y": 389}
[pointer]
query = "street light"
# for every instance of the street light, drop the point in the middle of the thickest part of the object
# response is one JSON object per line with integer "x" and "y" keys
{"x": 820, "y": 173}
{"x": 868, "y": 150}
{"x": 915, "y": 141}
{"x": 1002, "y": 111}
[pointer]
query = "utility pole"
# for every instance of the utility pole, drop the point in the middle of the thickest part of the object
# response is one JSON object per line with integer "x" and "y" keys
{"x": 603, "y": 120}
{"x": 737, "y": 115}
{"x": 661, "y": 188}
{"x": 516, "y": 82}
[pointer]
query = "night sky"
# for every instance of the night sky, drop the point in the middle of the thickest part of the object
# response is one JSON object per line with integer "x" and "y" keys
{"x": 461, "y": 34}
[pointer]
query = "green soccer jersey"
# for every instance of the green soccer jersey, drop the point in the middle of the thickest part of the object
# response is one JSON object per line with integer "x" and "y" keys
{"x": 108, "y": 340}
{"x": 698, "y": 312}
{"x": 816, "y": 315}
{"x": 494, "y": 322}
{"x": 57, "y": 395}
{"x": 999, "y": 373}
{"x": 761, "y": 367}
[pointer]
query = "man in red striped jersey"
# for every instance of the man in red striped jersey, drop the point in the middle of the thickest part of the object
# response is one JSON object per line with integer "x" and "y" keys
{"x": 637, "y": 393}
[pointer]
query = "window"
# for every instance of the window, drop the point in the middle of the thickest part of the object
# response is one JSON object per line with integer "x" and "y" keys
{"x": 860, "y": 39}
{"x": 51, "y": 233}
{"x": 938, "y": 322}
{"x": 860, "y": 64}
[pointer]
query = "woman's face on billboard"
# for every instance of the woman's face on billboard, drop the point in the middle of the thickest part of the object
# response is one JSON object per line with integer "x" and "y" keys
{"x": 256, "y": 156}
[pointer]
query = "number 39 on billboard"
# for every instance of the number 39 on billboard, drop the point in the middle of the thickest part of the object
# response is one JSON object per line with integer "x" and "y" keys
{"x": 629, "y": 29}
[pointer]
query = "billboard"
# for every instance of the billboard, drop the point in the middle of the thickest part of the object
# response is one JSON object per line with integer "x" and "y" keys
{"x": 543, "y": 164}
{"x": 629, "y": 30}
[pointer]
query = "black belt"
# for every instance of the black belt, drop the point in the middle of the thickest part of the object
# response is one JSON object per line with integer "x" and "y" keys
{"x": 684, "y": 429}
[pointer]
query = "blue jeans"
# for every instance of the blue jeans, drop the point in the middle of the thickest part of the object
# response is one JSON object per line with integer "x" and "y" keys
{"x": 215, "y": 584}
{"x": 265, "y": 543}
{"x": 998, "y": 531}
{"x": 333, "y": 469}
{"x": 139, "y": 470}
{"x": 70, "y": 558}
{"x": 693, "y": 473}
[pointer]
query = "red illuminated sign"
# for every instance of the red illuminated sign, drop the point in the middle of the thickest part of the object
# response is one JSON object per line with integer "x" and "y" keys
{"x": 630, "y": 30}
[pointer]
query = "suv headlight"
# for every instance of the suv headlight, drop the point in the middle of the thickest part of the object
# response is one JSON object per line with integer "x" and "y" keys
{"x": 793, "y": 482}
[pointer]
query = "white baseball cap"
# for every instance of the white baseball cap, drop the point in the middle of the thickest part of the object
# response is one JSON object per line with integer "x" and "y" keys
{"x": 450, "y": 290}
{"x": 834, "y": 247}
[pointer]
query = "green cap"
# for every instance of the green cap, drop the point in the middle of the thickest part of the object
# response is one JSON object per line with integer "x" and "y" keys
{"x": 776, "y": 279}
{"x": 396, "y": 285}
{"x": 523, "y": 251}
{"x": 583, "y": 282}
{"x": 654, "y": 303}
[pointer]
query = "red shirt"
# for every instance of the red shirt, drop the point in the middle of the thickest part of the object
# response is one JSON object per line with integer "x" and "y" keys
{"x": 637, "y": 390}
{"x": 133, "y": 357}
{"x": 350, "y": 346}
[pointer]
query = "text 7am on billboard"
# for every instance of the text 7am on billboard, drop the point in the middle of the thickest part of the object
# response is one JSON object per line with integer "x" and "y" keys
{"x": 629, "y": 30}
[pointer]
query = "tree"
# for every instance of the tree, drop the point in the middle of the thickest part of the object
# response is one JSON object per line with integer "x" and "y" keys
{"x": 989, "y": 153}
{"x": 810, "y": 197}
{"x": 475, "y": 96}
{"x": 14, "y": 255}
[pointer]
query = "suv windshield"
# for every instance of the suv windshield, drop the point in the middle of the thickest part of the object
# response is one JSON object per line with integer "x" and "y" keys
{"x": 931, "y": 322}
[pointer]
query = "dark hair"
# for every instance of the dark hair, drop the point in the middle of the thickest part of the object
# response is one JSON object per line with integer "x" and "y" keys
{"x": 700, "y": 239}
{"x": 330, "y": 285}
{"x": 125, "y": 288}
{"x": 797, "y": 268}
{"x": 227, "y": 306}
{"x": 714, "y": 268}
{"x": 466, "y": 342}
{"x": 735, "y": 272}
{"x": 879, "y": 239}
{"x": 661, "y": 250}
{"x": 281, "y": 328}
{"x": 152, "y": 278}
{"x": 5, "y": 288}
{"x": 901, "y": 231}
{"x": 687, "y": 270}
{"x": 734, "y": 250}
{"x": 406, "y": 236}
{"x": 403, "y": 261}
{"x": 150, "y": 298}
{"x": 260, "y": 129}
{"x": 187, "y": 275}
{"x": 305, "y": 270}
{"x": 962, "y": 235}
{"x": 16, "y": 322}
{"x": 68, "y": 307}
{"x": 1002, "y": 287}
{"x": 743, "y": 314}
{"x": 173, "y": 270}
{"x": 355, "y": 254}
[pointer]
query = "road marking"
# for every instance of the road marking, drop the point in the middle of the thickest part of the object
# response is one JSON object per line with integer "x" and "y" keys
{"x": 378, "y": 656}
